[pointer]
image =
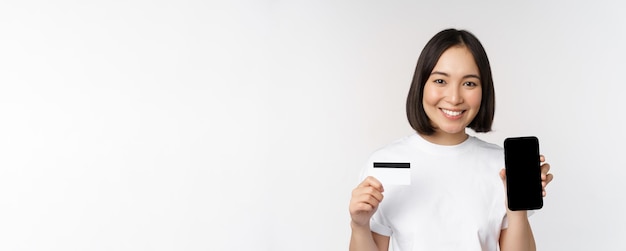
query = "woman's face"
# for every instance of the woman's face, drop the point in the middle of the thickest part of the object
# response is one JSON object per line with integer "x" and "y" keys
{"x": 453, "y": 92}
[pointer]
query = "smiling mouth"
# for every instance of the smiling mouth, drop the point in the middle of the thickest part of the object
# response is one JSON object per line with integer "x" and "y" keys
{"x": 452, "y": 113}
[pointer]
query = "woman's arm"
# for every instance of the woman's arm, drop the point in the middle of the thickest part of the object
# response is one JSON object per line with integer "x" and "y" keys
{"x": 364, "y": 239}
{"x": 365, "y": 200}
{"x": 519, "y": 235}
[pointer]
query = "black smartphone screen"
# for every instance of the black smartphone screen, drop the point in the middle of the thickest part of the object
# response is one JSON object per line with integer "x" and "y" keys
{"x": 523, "y": 173}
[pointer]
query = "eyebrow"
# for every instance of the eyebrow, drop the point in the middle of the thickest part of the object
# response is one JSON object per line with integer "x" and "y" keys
{"x": 448, "y": 75}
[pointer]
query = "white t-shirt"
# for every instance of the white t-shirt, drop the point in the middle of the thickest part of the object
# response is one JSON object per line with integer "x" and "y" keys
{"x": 455, "y": 200}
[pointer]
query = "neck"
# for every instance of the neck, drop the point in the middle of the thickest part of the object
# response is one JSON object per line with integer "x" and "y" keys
{"x": 446, "y": 139}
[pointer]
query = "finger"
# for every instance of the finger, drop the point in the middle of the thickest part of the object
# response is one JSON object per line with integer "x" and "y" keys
{"x": 503, "y": 176}
{"x": 545, "y": 179}
{"x": 368, "y": 199}
{"x": 545, "y": 183}
{"x": 363, "y": 207}
{"x": 363, "y": 202}
{"x": 542, "y": 158}
{"x": 545, "y": 168}
{"x": 363, "y": 193}
{"x": 373, "y": 201}
{"x": 374, "y": 193}
{"x": 549, "y": 178}
{"x": 373, "y": 182}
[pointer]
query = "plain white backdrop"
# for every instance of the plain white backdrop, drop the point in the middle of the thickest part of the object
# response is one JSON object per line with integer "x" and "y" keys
{"x": 243, "y": 125}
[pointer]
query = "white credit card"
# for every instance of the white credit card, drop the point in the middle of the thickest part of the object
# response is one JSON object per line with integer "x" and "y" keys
{"x": 392, "y": 173}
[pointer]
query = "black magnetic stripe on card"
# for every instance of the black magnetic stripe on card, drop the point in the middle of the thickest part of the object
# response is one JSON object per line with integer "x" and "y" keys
{"x": 391, "y": 165}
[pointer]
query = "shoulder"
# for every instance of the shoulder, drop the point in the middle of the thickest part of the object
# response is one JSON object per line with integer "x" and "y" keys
{"x": 486, "y": 146}
{"x": 399, "y": 147}
{"x": 488, "y": 151}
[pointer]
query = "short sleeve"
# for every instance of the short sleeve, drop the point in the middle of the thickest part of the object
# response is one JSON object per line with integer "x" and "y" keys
{"x": 505, "y": 221}
{"x": 378, "y": 224}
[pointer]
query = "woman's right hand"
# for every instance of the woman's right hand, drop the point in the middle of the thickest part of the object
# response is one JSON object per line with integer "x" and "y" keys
{"x": 365, "y": 199}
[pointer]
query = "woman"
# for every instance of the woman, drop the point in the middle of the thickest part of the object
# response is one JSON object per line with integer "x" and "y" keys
{"x": 457, "y": 199}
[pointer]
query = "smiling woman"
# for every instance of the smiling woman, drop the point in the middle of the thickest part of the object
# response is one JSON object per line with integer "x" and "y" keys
{"x": 456, "y": 57}
{"x": 451, "y": 90}
{"x": 452, "y": 95}
{"x": 243, "y": 125}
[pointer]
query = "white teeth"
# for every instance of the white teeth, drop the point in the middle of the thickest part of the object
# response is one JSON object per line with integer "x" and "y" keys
{"x": 452, "y": 113}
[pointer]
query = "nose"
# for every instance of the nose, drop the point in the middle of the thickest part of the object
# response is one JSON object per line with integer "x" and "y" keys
{"x": 454, "y": 95}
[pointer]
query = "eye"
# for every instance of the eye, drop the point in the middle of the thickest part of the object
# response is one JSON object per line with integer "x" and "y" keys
{"x": 470, "y": 84}
{"x": 439, "y": 81}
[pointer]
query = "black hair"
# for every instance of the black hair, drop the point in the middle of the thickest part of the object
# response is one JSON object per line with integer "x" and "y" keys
{"x": 428, "y": 59}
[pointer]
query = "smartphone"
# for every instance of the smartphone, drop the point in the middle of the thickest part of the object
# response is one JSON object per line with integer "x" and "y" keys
{"x": 523, "y": 173}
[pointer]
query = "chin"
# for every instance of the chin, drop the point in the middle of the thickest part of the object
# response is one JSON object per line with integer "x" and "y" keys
{"x": 453, "y": 130}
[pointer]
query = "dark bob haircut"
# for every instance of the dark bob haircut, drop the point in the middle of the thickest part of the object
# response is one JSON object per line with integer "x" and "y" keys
{"x": 425, "y": 64}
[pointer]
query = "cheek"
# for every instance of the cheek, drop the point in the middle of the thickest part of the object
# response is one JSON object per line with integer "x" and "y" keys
{"x": 431, "y": 96}
{"x": 474, "y": 99}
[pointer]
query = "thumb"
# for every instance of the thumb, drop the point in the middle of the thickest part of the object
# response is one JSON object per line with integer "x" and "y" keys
{"x": 503, "y": 177}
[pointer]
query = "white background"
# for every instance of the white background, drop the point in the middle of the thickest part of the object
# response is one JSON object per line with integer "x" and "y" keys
{"x": 195, "y": 125}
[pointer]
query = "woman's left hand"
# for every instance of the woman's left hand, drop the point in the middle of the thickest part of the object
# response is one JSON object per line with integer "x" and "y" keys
{"x": 546, "y": 177}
